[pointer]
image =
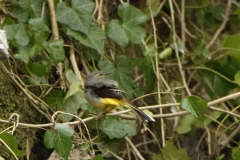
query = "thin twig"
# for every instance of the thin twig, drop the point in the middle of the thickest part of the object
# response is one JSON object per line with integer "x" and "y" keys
{"x": 208, "y": 138}
{"x": 232, "y": 96}
{"x": 75, "y": 66}
{"x": 157, "y": 72}
{"x": 176, "y": 48}
{"x": 55, "y": 35}
{"x": 134, "y": 148}
{"x": 183, "y": 24}
{"x": 224, "y": 22}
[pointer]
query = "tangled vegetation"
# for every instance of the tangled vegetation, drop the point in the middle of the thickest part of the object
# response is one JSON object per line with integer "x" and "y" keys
{"x": 179, "y": 61}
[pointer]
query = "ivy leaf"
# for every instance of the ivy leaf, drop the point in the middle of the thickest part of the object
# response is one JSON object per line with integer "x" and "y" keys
{"x": 72, "y": 104}
{"x": 74, "y": 16}
{"x": 64, "y": 129}
{"x": 17, "y": 32}
{"x": 71, "y": 77}
{"x": 55, "y": 49}
{"x": 117, "y": 33}
{"x": 195, "y": 105}
{"x": 235, "y": 153}
{"x": 35, "y": 8}
{"x": 185, "y": 124}
{"x": 22, "y": 56}
{"x": 73, "y": 88}
{"x": 129, "y": 29}
{"x": 11, "y": 143}
{"x": 115, "y": 128}
{"x": 83, "y": 6}
{"x": 167, "y": 153}
{"x": 59, "y": 138}
{"x": 94, "y": 39}
{"x": 20, "y": 11}
{"x": 39, "y": 30}
{"x": 98, "y": 157}
{"x": 37, "y": 69}
{"x": 131, "y": 14}
{"x": 154, "y": 4}
{"x": 55, "y": 99}
{"x": 220, "y": 157}
{"x": 233, "y": 42}
{"x": 144, "y": 64}
{"x": 237, "y": 78}
{"x": 122, "y": 73}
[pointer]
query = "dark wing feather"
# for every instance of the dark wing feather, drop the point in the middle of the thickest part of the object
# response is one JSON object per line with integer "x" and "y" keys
{"x": 104, "y": 88}
{"x": 107, "y": 92}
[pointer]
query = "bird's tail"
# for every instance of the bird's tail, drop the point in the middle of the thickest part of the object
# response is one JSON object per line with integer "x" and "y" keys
{"x": 142, "y": 115}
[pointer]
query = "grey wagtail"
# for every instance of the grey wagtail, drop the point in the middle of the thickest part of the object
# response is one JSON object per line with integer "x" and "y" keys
{"x": 105, "y": 94}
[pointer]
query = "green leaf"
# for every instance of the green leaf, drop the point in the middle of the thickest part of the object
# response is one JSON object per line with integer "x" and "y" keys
{"x": 94, "y": 39}
{"x": 237, "y": 78}
{"x": 20, "y": 11}
{"x": 17, "y": 32}
{"x": 214, "y": 114}
{"x": 98, "y": 157}
{"x": 131, "y": 14}
{"x": 135, "y": 33}
{"x": 195, "y": 105}
{"x": 185, "y": 124}
{"x": 107, "y": 148}
{"x": 75, "y": 17}
{"x": 84, "y": 146}
{"x": 122, "y": 73}
{"x": 64, "y": 129}
{"x": 150, "y": 51}
{"x": 129, "y": 29}
{"x": 218, "y": 11}
{"x": 55, "y": 99}
{"x": 214, "y": 90}
{"x": 220, "y": 157}
{"x": 116, "y": 128}
{"x": 145, "y": 65}
{"x": 233, "y": 43}
{"x": 201, "y": 48}
{"x": 37, "y": 69}
{"x": 59, "y": 139}
{"x": 167, "y": 153}
{"x": 157, "y": 157}
{"x": 236, "y": 153}
{"x": 35, "y": 8}
{"x": 71, "y": 77}
{"x": 22, "y": 55}
{"x": 237, "y": 11}
{"x": 11, "y": 143}
{"x": 39, "y": 30}
{"x": 83, "y": 6}
{"x": 72, "y": 104}
{"x": 27, "y": 52}
{"x": 117, "y": 33}
{"x": 154, "y": 4}
{"x": 55, "y": 49}
{"x": 73, "y": 88}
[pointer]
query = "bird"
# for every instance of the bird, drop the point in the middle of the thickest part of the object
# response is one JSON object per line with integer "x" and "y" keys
{"x": 105, "y": 94}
